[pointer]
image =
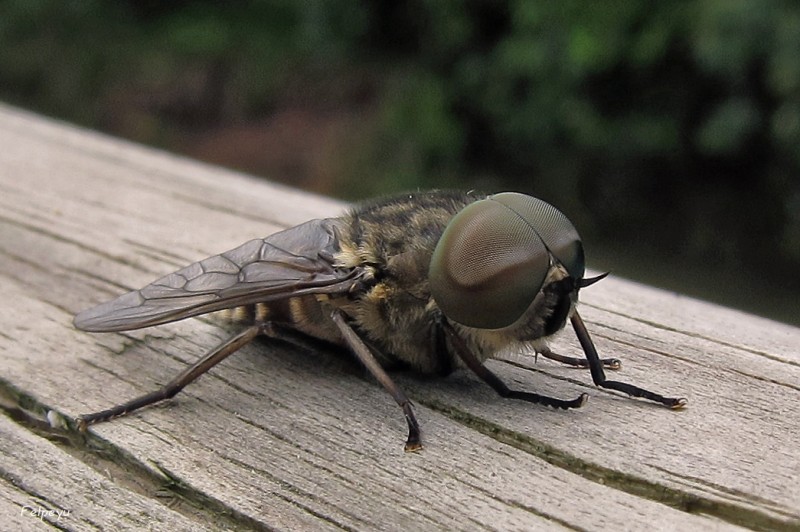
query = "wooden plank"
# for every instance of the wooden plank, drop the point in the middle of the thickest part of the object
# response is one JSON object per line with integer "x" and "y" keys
{"x": 43, "y": 484}
{"x": 277, "y": 437}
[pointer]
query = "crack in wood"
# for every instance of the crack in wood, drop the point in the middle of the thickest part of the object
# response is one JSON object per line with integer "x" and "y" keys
{"x": 640, "y": 487}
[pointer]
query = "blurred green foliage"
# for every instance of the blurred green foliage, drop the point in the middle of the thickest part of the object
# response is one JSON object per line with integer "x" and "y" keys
{"x": 663, "y": 129}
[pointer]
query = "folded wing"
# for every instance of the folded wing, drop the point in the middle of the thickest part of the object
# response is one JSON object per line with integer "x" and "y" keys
{"x": 293, "y": 262}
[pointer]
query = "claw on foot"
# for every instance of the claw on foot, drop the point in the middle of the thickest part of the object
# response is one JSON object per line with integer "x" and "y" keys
{"x": 678, "y": 404}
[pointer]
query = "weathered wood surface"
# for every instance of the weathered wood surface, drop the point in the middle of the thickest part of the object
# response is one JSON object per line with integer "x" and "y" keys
{"x": 276, "y": 437}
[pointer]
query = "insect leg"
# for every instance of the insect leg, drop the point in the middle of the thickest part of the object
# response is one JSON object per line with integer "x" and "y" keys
{"x": 575, "y": 362}
{"x": 499, "y": 386}
{"x": 214, "y": 357}
{"x": 413, "y": 443}
{"x": 444, "y": 362}
{"x": 599, "y": 377}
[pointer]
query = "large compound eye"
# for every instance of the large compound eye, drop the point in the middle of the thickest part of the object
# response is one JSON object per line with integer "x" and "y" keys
{"x": 557, "y": 232}
{"x": 492, "y": 258}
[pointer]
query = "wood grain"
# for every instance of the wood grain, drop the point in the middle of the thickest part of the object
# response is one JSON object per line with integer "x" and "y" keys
{"x": 280, "y": 438}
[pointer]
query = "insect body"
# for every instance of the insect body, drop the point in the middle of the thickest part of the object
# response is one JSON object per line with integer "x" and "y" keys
{"x": 431, "y": 281}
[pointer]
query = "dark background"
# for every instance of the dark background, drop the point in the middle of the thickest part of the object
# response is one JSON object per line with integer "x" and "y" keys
{"x": 669, "y": 132}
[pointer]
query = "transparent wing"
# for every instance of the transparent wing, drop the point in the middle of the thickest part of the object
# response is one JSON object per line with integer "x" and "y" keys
{"x": 293, "y": 262}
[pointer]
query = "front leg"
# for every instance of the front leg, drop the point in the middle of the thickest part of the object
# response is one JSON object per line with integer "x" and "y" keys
{"x": 575, "y": 362}
{"x": 498, "y": 385}
{"x": 599, "y": 377}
